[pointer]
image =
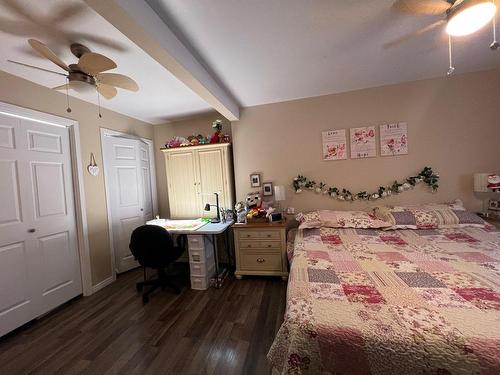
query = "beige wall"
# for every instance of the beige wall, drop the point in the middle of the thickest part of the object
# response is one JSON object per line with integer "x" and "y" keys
{"x": 185, "y": 128}
{"x": 453, "y": 125}
{"x": 23, "y": 93}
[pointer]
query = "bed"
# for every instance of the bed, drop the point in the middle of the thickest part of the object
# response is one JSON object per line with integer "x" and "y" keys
{"x": 369, "y": 301}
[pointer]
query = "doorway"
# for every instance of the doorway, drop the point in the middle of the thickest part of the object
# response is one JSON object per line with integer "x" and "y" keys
{"x": 129, "y": 175}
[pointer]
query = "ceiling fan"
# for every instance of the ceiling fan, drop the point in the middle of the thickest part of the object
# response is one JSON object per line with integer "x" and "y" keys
{"x": 461, "y": 17}
{"x": 87, "y": 74}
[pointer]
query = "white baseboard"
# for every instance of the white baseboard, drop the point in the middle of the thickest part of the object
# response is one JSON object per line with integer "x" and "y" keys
{"x": 103, "y": 284}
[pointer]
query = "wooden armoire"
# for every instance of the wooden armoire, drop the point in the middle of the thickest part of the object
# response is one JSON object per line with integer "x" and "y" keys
{"x": 194, "y": 173}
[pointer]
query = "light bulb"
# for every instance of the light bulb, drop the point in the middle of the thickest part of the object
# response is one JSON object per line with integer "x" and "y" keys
{"x": 470, "y": 19}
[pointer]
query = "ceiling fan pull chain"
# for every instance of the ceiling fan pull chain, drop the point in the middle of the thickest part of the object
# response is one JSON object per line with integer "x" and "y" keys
{"x": 99, "y": 103}
{"x": 494, "y": 45}
{"x": 67, "y": 95}
{"x": 451, "y": 69}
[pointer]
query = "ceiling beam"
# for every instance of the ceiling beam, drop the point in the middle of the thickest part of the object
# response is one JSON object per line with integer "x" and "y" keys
{"x": 140, "y": 23}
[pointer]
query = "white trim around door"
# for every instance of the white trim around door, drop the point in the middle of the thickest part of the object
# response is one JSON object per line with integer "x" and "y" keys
{"x": 113, "y": 133}
{"x": 79, "y": 192}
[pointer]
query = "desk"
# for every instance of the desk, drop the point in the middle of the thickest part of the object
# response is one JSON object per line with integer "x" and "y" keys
{"x": 211, "y": 230}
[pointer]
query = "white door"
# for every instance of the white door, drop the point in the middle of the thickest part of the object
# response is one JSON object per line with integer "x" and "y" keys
{"x": 39, "y": 263}
{"x": 128, "y": 183}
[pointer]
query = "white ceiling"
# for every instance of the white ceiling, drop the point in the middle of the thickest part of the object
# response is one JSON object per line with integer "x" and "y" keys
{"x": 267, "y": 51}
{"x": 161, "y": 97}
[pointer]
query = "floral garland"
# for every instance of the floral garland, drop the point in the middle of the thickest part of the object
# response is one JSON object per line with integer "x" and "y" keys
{"x": 427, "y": 176}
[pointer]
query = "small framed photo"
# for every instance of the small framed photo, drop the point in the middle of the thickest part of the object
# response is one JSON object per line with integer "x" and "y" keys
{"x": 267, "y": 187}
{"x": 255, "y": 180}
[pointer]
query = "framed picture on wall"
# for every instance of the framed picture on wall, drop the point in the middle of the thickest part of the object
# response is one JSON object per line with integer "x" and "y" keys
{"x": 255, "y": 180}
{"x": 267, "y": 188}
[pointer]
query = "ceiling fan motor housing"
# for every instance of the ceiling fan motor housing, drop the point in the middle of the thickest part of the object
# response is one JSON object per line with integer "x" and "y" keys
{"x": 81, "y": 77}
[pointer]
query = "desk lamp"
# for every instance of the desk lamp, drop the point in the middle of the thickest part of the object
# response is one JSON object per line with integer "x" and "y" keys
{"x": 208, "y": 205}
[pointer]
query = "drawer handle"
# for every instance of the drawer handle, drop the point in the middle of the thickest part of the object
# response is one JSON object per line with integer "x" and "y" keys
{"x": 268, "y": 235}
{"x": 249, "y": 245}
{"x": 261, "y": 260}
{"x": 269, "y": 245}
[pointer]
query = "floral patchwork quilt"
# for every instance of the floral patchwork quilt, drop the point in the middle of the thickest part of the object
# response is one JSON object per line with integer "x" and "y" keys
{"x": 367, "y": 301}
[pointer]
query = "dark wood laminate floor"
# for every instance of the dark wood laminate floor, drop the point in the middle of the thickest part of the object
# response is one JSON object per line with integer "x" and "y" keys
{"x": 225, "y": 331}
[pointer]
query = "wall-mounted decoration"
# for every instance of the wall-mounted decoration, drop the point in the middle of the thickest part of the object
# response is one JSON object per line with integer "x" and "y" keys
{"x": 267, "y": 188}
{"x": 92, "y": 167}
{"x": 363, "y": 142}
{"x": 394, "y": 139}
{"x": 426, "y": 176}
{"x": 255, "y": 180}
{"x": 334, "y": 145}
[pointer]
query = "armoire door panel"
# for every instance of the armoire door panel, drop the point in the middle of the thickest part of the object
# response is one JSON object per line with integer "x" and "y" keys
{"x": 183, "y": 185}
{"x": 211, "y": 176}
{"x": 9, "y": 191}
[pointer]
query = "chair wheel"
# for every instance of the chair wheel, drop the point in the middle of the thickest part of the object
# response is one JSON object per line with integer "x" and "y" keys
{"x": 138, "y": 287}
{"x": 145, "y": 299}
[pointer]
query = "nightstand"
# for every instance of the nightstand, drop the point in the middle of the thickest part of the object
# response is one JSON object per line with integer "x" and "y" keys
{"x": 260, "y": 249}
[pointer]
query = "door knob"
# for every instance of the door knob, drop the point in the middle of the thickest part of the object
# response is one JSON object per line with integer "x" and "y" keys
{"x": 142, "y": 209}
{"x": 31, "y": 230}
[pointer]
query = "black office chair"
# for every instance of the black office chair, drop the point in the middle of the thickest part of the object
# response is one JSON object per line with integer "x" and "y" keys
{"x": 153, "y": 247}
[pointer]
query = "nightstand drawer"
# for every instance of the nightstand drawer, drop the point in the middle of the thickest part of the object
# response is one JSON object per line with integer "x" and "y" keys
{"x": 260, "y": 262}
{"x": 259, "y": 234}
{"x": 261, "y": 245}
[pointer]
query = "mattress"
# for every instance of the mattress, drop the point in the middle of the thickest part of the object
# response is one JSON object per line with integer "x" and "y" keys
{"x": 365, "y": 301}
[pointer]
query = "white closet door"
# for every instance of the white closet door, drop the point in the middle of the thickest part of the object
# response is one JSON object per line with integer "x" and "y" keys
{"x": 183, "y": 188}
{"x": 39, "y": 263}
{"x": 146, "y": 181}
{"x": 128, "y": 183}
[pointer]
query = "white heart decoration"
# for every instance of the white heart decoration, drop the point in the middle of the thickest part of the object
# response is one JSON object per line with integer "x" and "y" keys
{"x": 93, "y": 170}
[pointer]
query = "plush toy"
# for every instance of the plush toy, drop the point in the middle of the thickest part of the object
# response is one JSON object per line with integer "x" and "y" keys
{"x": 254, "y": 203}
{"x": 241, "y": 212}
{"x": 494, "y": 182}
{"x": 217, "y": 136}
{"x": 176, "y": 142}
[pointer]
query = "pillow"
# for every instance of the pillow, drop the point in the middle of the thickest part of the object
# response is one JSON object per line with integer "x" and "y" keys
{"x": 457, "y": 204}
{"x": 308, "y": 220}
{"x": 428, "y": 217}
{"x": 341, "y": 219}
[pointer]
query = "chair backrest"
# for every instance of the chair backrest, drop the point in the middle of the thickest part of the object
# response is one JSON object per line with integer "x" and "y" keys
{"x": 152, "y": 246}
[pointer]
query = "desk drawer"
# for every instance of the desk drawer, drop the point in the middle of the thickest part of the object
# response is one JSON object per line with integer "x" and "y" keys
{"x": 261, "y": 245}
{"x": 196, "y": 241}
{"x": 260, "y": 262}
{"x": 259, "y": 234}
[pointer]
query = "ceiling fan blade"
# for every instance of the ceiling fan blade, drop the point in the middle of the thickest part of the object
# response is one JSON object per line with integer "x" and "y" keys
{"x": 107, "y": 91}
{"x": 36, "y": 67}
{"x": 94, "y": 63}
{"x": 78, "y": 86}
{"x": 45, "y": 51}
{"x": 414, "y": 34}
{"x": 429, "y": 7}
{"x": 118, "y": 80}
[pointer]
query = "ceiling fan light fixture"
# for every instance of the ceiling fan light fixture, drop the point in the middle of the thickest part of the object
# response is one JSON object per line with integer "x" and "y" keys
{"x": 470, "y": 16}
